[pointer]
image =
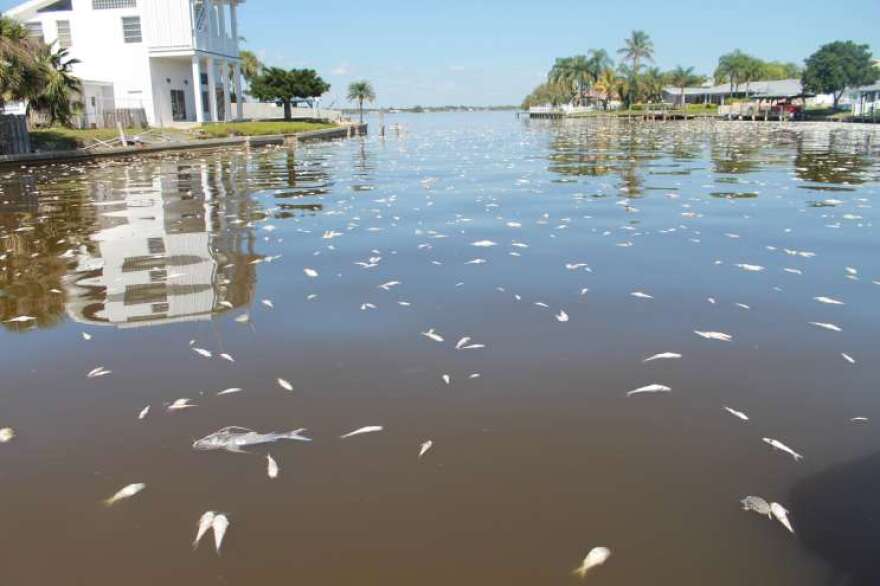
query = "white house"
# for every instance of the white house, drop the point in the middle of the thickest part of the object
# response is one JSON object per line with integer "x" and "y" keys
{"x": 164, "y": 56}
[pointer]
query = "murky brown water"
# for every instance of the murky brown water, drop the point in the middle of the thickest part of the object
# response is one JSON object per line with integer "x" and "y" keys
{"x": 535, "y": 461}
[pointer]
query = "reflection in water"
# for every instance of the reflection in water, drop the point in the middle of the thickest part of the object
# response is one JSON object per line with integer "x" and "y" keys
{"x": 839, "y": 519}
{"x": 170, "y": 240}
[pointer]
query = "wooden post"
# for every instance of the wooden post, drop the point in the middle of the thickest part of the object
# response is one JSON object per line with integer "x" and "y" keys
{"x": 381, "y": 122}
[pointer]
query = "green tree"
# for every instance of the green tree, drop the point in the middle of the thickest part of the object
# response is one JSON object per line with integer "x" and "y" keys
{"x": 57, "y": 97}
{"x": 250, "y": 65}
{"x": 780, "y": 70}
{"x": 572, "y": 72}
{"x": 598, "y": 61}
{"x": 547, "y": 93}
{"x": 652, "y": 83}
{"x": 21, "y": 75}
{"x": 284, "y": 87}
{"x": 637, "y": 48}
{"x": 606, "y": 85}
{"x": 731, "y": 69}
{"x": 360, "y": 92}
{"x": 681, "y": 78}
{"x": 836, "y": 66}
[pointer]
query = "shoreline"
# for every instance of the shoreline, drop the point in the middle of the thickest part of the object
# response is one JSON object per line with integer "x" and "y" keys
{"x": 344, "y": 131}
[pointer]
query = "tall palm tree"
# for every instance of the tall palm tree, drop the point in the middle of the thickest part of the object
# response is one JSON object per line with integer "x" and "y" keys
{"x": 653, "y": 82}
{"x": 57, "y": 97}
{"x": 682, "y": 77}
{"x": 361, "y": 91}
{"x": 752, "y": 70}
{"x": 637, "y": 48}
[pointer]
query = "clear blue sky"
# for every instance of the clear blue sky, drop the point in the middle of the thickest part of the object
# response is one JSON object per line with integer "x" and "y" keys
{"x": 484, "y": 52}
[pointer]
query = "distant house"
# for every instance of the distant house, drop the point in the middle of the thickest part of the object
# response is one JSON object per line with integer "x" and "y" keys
{"x": 176, "y": 60}
{"x": 782, "y": 89}
{"x": 866, "y": 100}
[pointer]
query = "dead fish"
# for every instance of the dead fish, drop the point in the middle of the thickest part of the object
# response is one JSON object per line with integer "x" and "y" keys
{"x": 233, "y": 439}
{"x": 736, "y": 413}
{"x": 220, "y": 525}
{"x": 446, "y": 379}
{"x": 86, "y": 336}
{"x": 826, "y": 326}
{"x": 641, "y": 295}
{"x": 848, "y": 358}
{"x": 387, "y": 286}
{"x": 484, "y": 243}
{"x": 311, "y": 273}
{"x": 751, "y": 268}
{"x": 721, "y": 336}
{"x": 596, "y": 557}
{"x": 829, "y": 301}
{"x": 781, "y": 515}
{"x": 226, "y": 357}
{"x": 230, "y": 391}
{"x": 268, "y": 303}
{"x": 99, "y": 371}
{"x": 179, "y": 404}
{"x": 433, "y": 335}
{"x": 205, "y": 523}
{"x": 652, "y": 388}
{"x": 20, "y": 319}
{"x": 562, "y": 317}
{"x": 125, "y": 492}
{"x": 662, "y": 356}
{"x": 756, "y": 504}
{"x": 362, "y": 430}
{"x": 243, "y": 318}
{"x": 424, "y": 448}
{"x": 202, "y": 352}
{"x": 6, "y": 435}
{"x": 285, "y": 384}
{"x": 778, "y": 445}
{"x": 853, "y": 419}
{"x": 462, "y": 342}
{"x": 144, "y": 412}
{"x": 271, "y": 466}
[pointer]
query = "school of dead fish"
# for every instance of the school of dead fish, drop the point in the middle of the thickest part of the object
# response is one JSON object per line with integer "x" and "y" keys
{"x": 235, "y": 439}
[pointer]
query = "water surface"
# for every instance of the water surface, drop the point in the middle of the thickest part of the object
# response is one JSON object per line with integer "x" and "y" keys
{"x": 538, "y": 454}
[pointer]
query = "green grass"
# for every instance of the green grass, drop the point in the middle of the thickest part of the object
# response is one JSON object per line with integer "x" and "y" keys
{"x": 59, "y": 138}
{"x": 222, "y": 130}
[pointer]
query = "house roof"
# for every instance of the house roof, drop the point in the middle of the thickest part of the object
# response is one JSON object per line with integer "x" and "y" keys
{"x": 781, "y": 88}
{"x": 30, "y": 6}
{"x": 874, "y": 87}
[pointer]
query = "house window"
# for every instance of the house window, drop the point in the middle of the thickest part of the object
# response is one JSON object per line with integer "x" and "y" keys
{"x": 108, "y": 4}
{"x": 131, "y": 29}
{"x": 60, "y": 6}
{"x": 35, "y": 30}
{"x": 64, "y": 40}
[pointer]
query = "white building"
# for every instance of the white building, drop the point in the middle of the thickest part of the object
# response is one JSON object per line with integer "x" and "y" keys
{"x": 164, "y": 56}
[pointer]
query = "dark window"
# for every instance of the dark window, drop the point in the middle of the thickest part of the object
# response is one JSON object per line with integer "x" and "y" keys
{"x": 131, "y": 29}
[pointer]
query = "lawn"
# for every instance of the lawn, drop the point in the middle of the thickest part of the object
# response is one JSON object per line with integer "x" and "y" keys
{"x": 222, "y": 130}
{"x": 59, "y": 138}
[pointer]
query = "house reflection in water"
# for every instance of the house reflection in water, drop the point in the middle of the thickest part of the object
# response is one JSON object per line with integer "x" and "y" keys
{"x": 169, "y": 247}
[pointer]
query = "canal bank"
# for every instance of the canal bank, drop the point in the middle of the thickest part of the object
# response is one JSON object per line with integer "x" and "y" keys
{"x": 345, "y": 131}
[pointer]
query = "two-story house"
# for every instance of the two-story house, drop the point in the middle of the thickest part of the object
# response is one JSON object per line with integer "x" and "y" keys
{"x": 176, "y": 59}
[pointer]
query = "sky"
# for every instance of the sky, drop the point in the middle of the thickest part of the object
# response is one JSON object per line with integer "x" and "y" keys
{"x": 493, "y": 52}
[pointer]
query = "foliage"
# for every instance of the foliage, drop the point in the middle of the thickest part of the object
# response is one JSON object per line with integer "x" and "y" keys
{"x": 259, "y": 128}
{"x": 57, "y": 96}
{"x": 360, "y": 92}
{"x": 250, "y": 65}
{"x": 21, "y": 75}
{"x": 637, "y": 48}
{"x": 839, "y": 65}
{"x": 547, "y": 93}
{"x": 284, "y": 87}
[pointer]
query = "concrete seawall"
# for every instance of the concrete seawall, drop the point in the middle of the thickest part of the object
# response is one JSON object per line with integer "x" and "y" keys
{"x": 270, "y": 139}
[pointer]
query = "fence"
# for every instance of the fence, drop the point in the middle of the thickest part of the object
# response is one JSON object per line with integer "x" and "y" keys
{"x": 14, "y": 137}
{"x": 265, "y": 111}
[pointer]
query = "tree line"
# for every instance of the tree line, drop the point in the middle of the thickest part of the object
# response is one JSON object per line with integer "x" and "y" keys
{"x": 576, "y": 79}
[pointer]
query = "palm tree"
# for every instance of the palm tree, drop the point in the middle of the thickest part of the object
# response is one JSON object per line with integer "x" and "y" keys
{"x": 606, "y": 85}
{"x": 361, "y": 91}
{"x": 598, "y": 62}
{"x": 21, "y": 76}
{"x": 752, "y": 70}
{"x": 57, "y": 96}
{"x": 250, "y": 65}
{"x": 653, "y": 82}
{"x": 573, "y": 72}
{"x": 682, "y": 77}
{"x": 637, "y": 48}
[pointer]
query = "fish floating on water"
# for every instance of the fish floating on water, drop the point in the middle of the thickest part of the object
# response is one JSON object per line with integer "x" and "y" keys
{"x": 596, "y": 557}
{"x": 662, "y": 356}
{"x": 778, "y": 445}
{"x": 6, "y": 435}
{"x": 125, "y": 493}
{"x": 720, "y": 336}
{"x": 233, "y": 439}
{"x": 653, "y": 388}
{"x": 423, "y": 449}
{"x": 362, "y": 430}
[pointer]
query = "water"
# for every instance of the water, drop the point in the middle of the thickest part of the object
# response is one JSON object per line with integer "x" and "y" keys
{"x": 535, "y": 461}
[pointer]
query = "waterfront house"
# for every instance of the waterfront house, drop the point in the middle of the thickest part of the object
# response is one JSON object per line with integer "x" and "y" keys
{"x": 170, "y": 61}
{"x": 866, "y": 100}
